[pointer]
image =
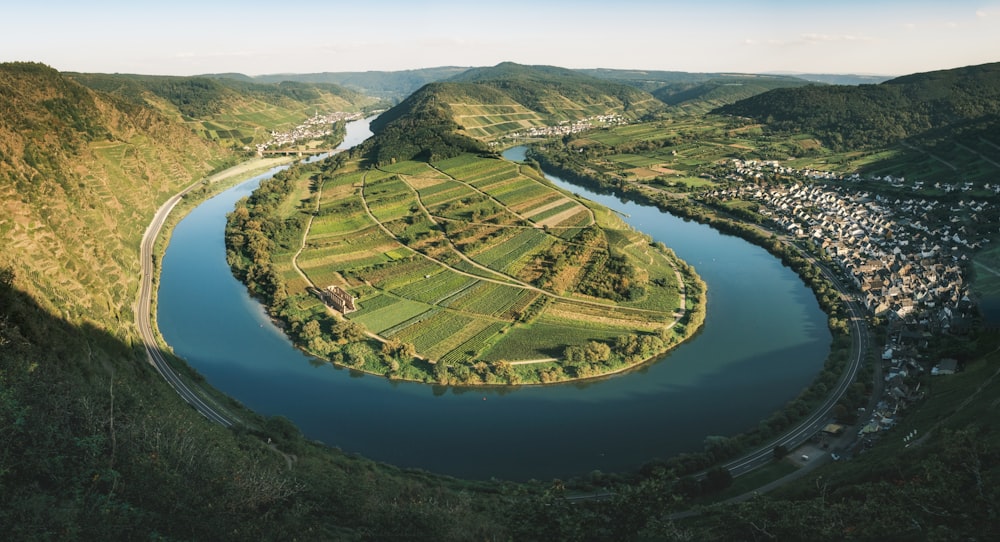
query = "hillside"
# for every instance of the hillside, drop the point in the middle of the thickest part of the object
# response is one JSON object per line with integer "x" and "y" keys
{"x": 96, "y": 446}
{"x": 725, "y": 89}
{"x": 559, "y": 93}
{"x": 236, "y": 112}
{"x": 481, "y": 105}
{"x": 80, "y": 172}
{"x": 701, "y": 91}
{"x": 873, "y": 116}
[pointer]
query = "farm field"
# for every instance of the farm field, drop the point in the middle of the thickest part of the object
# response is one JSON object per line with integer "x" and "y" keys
{"x": 472, "y": 263}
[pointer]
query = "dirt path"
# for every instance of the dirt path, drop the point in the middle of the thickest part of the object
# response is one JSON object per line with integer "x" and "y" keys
{"x": 290, "y": 459}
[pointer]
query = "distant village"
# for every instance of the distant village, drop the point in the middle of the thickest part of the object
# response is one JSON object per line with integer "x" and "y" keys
{"x": 316, "y": 127}
{"x": 569, "y": 127}
{"x": 907, "y": 258}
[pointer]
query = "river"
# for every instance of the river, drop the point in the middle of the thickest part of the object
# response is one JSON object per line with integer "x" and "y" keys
{"x": 764, "y": 340}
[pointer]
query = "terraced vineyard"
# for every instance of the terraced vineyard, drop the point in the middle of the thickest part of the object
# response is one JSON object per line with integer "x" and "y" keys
{"x": 489, "y": 272}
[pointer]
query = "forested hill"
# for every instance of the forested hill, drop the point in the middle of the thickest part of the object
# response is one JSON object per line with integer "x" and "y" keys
{"x": 701, "y": 91}
{"x": 483, "y": 104}
{"x": 870, "y": 116}
{"x": 234, "y": 111}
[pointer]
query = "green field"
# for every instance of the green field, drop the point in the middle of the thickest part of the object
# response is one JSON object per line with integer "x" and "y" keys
{"x": 452, "y": 258}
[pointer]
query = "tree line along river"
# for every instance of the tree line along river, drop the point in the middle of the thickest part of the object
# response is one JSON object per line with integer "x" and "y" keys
{"x": 763, "y": 341}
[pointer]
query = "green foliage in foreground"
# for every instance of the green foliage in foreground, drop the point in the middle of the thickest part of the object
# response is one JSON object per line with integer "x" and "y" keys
{"x": 94, "y": 447}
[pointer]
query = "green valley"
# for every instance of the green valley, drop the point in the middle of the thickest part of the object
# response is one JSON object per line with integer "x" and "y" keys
{"x": 423, "y": 255}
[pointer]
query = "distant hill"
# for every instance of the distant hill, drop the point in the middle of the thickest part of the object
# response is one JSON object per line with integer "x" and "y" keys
{"x": 482, "y": 104}
{"x": 841, "y": 78}
{"x": 387, "y": 85}
{"x": 559, "y": 92}
{"x": 235, "y": 111}
{"x": 722, "y": 90}
{"x": 873, "y": 116}
{"x": 698, "y": 91}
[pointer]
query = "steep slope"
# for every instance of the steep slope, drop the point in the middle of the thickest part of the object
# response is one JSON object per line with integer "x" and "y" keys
{"x": 80, "y": 172}
{"x": 478, "y": 106}
{"x": 872, "y": 116}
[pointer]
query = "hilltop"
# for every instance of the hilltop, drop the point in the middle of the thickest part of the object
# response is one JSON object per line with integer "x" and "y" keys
{"x": 701, "y": 91}
{"x": 386, "y": 85}
{"x": 480, "y": 105}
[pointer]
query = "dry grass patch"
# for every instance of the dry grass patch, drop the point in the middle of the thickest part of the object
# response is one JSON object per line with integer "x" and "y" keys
{"x": 564, "y": 216}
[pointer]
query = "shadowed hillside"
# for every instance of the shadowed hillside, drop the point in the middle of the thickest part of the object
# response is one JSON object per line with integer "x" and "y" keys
{"x": 94, "y": 444}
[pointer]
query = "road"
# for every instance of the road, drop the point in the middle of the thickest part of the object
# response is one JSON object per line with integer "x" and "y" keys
{"x": 144, "y": 303}
{"x": 799, "y": 434}
{"x": 795, "y": 437}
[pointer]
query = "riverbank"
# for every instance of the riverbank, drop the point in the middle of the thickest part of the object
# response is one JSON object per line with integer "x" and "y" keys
{"x": 728, "y": 377}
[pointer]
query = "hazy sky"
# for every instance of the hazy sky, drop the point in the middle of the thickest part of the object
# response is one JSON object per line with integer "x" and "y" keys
{"x": 187, "y": 37}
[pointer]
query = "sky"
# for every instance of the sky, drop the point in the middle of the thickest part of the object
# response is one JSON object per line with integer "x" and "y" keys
{"x": 254, "y": 37}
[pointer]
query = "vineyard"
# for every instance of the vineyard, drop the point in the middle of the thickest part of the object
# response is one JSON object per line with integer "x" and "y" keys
{"x": 471, "y": 260}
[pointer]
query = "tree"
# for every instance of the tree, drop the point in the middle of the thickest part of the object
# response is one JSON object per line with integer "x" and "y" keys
{"x": 310, "y": 330}
{"x": 717, "y": 479}
{"x": 780, "y": 451}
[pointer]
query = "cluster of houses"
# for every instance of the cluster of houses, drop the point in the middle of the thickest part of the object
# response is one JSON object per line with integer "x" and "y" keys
{"x": 570, "y": 127}
{"x": 759, "y": 170}
{"x": 315, "y": 127}
{"x": 907, "y": 262}
{"x": 907, "y": 257}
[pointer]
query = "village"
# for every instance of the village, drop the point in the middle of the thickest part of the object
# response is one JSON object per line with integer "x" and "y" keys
{"x": 907, "y": 258}
{"x": 315, "y": 127}
{"x": 568, "y": 127}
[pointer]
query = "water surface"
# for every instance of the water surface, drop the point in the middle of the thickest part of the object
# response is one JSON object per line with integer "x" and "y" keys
{"x": 764, "y": 340}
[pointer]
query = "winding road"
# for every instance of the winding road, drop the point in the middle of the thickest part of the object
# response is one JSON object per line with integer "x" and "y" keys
{"x": 144, "y": 302}
{"x": 799, "y": 434}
